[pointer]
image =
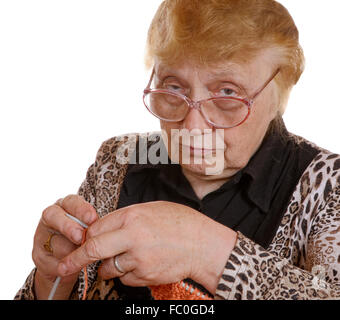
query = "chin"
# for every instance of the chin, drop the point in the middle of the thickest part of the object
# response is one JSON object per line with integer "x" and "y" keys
{"x": 203, "y": 169}
{"x": 194, "y": 168}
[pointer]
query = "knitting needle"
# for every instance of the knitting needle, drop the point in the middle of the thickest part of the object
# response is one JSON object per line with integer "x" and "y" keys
{"x": 57, "y": 281}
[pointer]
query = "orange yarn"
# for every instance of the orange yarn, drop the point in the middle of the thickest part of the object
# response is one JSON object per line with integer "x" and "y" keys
{"x": 177, "y": 291}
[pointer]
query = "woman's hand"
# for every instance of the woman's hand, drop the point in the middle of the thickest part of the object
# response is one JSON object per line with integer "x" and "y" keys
{"x": 157, "y": 242}
{"x": 67, "y": 237}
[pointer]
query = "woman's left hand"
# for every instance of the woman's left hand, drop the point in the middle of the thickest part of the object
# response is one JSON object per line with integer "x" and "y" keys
{"x": 157, "y": 242}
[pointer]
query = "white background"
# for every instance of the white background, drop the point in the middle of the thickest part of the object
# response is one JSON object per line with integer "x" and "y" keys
{"x": 72, "y": 75}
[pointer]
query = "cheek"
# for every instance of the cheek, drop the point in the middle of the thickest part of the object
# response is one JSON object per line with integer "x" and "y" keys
{"x": 168, "y": 126}
{"x": 237, "y": 141}
{"x": 265, "y": 109}
{"x": 243, "y": 141}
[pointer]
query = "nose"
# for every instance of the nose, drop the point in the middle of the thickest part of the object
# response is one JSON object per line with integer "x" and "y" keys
{"x": 195, "y": 120}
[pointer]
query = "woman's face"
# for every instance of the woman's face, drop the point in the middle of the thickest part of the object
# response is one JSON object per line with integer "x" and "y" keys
{"x": 231, "y": 148}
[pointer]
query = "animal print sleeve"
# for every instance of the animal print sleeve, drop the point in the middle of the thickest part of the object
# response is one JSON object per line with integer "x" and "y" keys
{"x": 254, "y": 273}
{"x": 87, "y": 188}
{"x": 26, "y": 292}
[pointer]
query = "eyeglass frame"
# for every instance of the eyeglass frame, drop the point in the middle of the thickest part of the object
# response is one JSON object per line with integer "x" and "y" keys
{"x": 197, "y": 104}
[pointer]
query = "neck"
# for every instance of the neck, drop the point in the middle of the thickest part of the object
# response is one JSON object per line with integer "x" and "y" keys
{"x": 203, "y": 186}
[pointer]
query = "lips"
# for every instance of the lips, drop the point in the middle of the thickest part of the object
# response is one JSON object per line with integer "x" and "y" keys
{"x": 195, "y": 148}
{"x": 197, "y": 151}
{"x": 200, "y": 149}
{"x": 201, "y": 152}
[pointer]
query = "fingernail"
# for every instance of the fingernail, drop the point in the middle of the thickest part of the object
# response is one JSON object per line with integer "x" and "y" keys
{"x": 63, "y": 269}
{"x": 77, "y": 235}
{"x": 91, "y": 217}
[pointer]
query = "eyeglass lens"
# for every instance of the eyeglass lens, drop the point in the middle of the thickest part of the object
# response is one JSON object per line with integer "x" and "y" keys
{"x": 219, "y": 111}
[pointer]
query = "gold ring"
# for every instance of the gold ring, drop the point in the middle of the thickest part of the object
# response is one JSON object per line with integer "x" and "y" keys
{"x": 47, "y": 244}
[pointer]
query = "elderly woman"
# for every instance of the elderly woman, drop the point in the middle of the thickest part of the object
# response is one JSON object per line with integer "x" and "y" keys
{"x": 235, "y": 207}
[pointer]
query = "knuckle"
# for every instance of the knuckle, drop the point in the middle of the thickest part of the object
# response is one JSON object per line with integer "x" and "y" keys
{"x": 84, "y": 209}
{"x": 87, "y": 206}
{"x": 70, "y": 198}
{"x": 48, "y": 213}
{"x": 139, "y": 261}
{"x": 36, "y": 257}
{"x": 91, "y": 249}
{"x": 36, "y": 237}
{"x": 59, "y": 202}
{"x": 130, "y": 216}
{"x": 78, "y": 204}
{"x": 78, "y": 207}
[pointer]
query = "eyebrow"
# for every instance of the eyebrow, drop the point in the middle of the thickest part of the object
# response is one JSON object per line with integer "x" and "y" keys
{"x": 225, "y": 74}
{"x": 212, "y": 74}
{"x": 228, "y": 74}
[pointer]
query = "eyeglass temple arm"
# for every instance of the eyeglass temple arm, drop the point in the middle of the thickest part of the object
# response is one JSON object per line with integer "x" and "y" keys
{"x": 150, "y": 81}
{"x": 265, "y": 85}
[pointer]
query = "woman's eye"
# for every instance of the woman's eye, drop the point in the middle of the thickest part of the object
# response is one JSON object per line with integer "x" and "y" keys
{"x": 227, "y": 92}
{"x": 174, "y": 88}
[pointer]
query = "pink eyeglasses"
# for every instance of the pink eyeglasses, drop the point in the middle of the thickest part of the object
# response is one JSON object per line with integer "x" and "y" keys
{"x": 220, "y": 112}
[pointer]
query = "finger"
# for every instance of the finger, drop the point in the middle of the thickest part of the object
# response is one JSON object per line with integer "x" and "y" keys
{"x": 79, "y": 208}
{"x": 52, "y": 279}
{"x": 110, "y": 222}
{"x": 103, "y": 246}
{"x": 54, "y": 217}
{"x": 61, "y": 246}
{"x": 131, "y": 280}
{"x": 46, "y": 263}
{"x": 108, "y": 269}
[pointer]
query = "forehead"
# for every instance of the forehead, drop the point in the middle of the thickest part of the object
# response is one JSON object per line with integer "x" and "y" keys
{"x": 259, "y": 66}
{"x": 195, "y": 75}
{"x": 187, "y": 67}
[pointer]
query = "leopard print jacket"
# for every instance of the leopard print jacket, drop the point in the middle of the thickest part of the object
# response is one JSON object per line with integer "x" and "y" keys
{"x": 301, "y": 262}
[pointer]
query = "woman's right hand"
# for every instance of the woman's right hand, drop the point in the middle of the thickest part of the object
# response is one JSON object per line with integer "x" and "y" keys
{"x": 67, "y": 238}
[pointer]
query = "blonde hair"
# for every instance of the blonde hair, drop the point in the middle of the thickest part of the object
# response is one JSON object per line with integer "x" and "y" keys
{"x": 210, "y": 31}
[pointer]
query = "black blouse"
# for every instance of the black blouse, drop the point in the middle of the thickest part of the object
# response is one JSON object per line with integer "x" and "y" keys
{"x": 252, "y": 202}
